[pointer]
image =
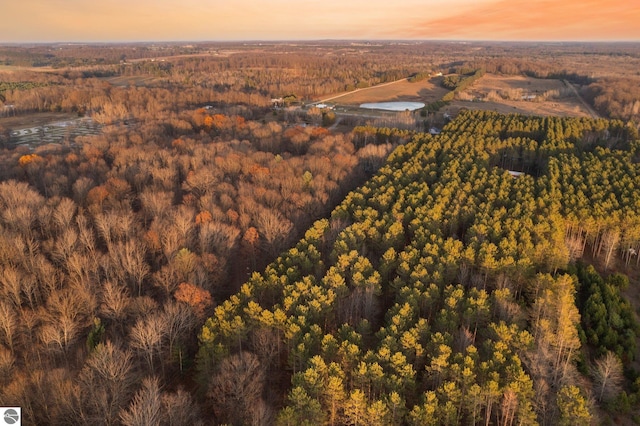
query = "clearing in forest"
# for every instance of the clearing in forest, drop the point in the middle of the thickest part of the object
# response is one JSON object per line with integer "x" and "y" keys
{"x": 134, "y": 80}
{"x": 35, "y": 119}
{"x": 522, "y": 95}
{"x": 426, "y": 91}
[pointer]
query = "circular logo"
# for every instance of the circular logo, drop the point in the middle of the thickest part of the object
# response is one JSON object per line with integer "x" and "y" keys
{"x": 11, "y": 416}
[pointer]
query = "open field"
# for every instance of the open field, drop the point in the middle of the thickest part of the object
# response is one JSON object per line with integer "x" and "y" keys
{"x": 35, "y": 119}
{"x": 18, "y": 68}
{"x": 55, "y": 132}
{"x": 522, "y": 95}
{"x": 565, "y": 108}
{"x": 426, "y": 91}
{"x": 136, "y": 80}
{"x": 42, "y": 129}
{"x": 562, "y": 108}
{"x": 480, "y": 96}
{"x": 490, "y": 82}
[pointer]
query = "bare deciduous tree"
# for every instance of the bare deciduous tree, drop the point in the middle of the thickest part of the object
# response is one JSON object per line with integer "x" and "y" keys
{"x": 7, "y": 364}
{"x": 67, "y": 311}
{"x": 63, "y": 213}
{"x": 218, "y": 237}
{"x": 106, "y": 384}
{"x": 128, "y": 263}
{"x": 147, "y": 336}
{"x": 156, "y": 205}
{"x": 146, "y": 407}
{"x": 237, "y": 388}
{"x": 267, "y": 343}
{"x": 275, "y": 229}
{"x": 170, "y": 238}
{"x": 115, "y": 301}
{"x": 11, "y": 284}
{"x": 81, "y": 188}
{"x": 608, "y": 376}
{"x": 180, "y": 322}
{"x": 65, "y": 245}
{"x": 184, "y": 221}
{"x": 82, "y": 270}
{"x": 85, "y": 235}
{"x": 180, "y": 410}
{"x": 8, "y": 324}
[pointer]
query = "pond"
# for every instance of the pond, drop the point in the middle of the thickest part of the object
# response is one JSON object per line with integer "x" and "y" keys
{"x": 393, "y": 106}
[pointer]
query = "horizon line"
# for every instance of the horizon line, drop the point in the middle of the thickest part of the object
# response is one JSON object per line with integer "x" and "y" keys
{"x": 312, "y": 40}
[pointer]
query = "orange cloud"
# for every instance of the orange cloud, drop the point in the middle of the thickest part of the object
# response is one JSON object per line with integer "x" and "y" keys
{"x": 108, "y": 20}
{"x": 538, "y": 20}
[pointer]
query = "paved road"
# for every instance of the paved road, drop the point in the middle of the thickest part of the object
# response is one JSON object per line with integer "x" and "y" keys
{"x": 590, "y": 110}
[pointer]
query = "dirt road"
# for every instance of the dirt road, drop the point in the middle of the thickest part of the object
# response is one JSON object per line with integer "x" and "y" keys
{"x": 591, "y": 111}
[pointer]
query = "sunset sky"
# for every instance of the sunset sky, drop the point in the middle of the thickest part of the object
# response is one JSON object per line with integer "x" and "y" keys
{"x": 195, "y": 20}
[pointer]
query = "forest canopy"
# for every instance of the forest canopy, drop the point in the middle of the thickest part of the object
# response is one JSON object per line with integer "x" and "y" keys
{"x": 216, "y": 248}
{"x": 435, "y": 293}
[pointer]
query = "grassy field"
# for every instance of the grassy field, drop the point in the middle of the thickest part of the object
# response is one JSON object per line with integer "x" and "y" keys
{"x": 428, "y": 91}
{"x": 138, "y": 81}
{"x": 16, "y": 68}
{"x": 566, "y": 105}
{"x": 35, "y": 119}
{"x": 563, "y": 108}
{"x": 499, "y": 82}
{"x": 423, "y": 91}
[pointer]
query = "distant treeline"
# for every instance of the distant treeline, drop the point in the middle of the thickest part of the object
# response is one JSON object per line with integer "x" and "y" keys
{"x": 22, "y": 85}
{"x": 614, "y": 97}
